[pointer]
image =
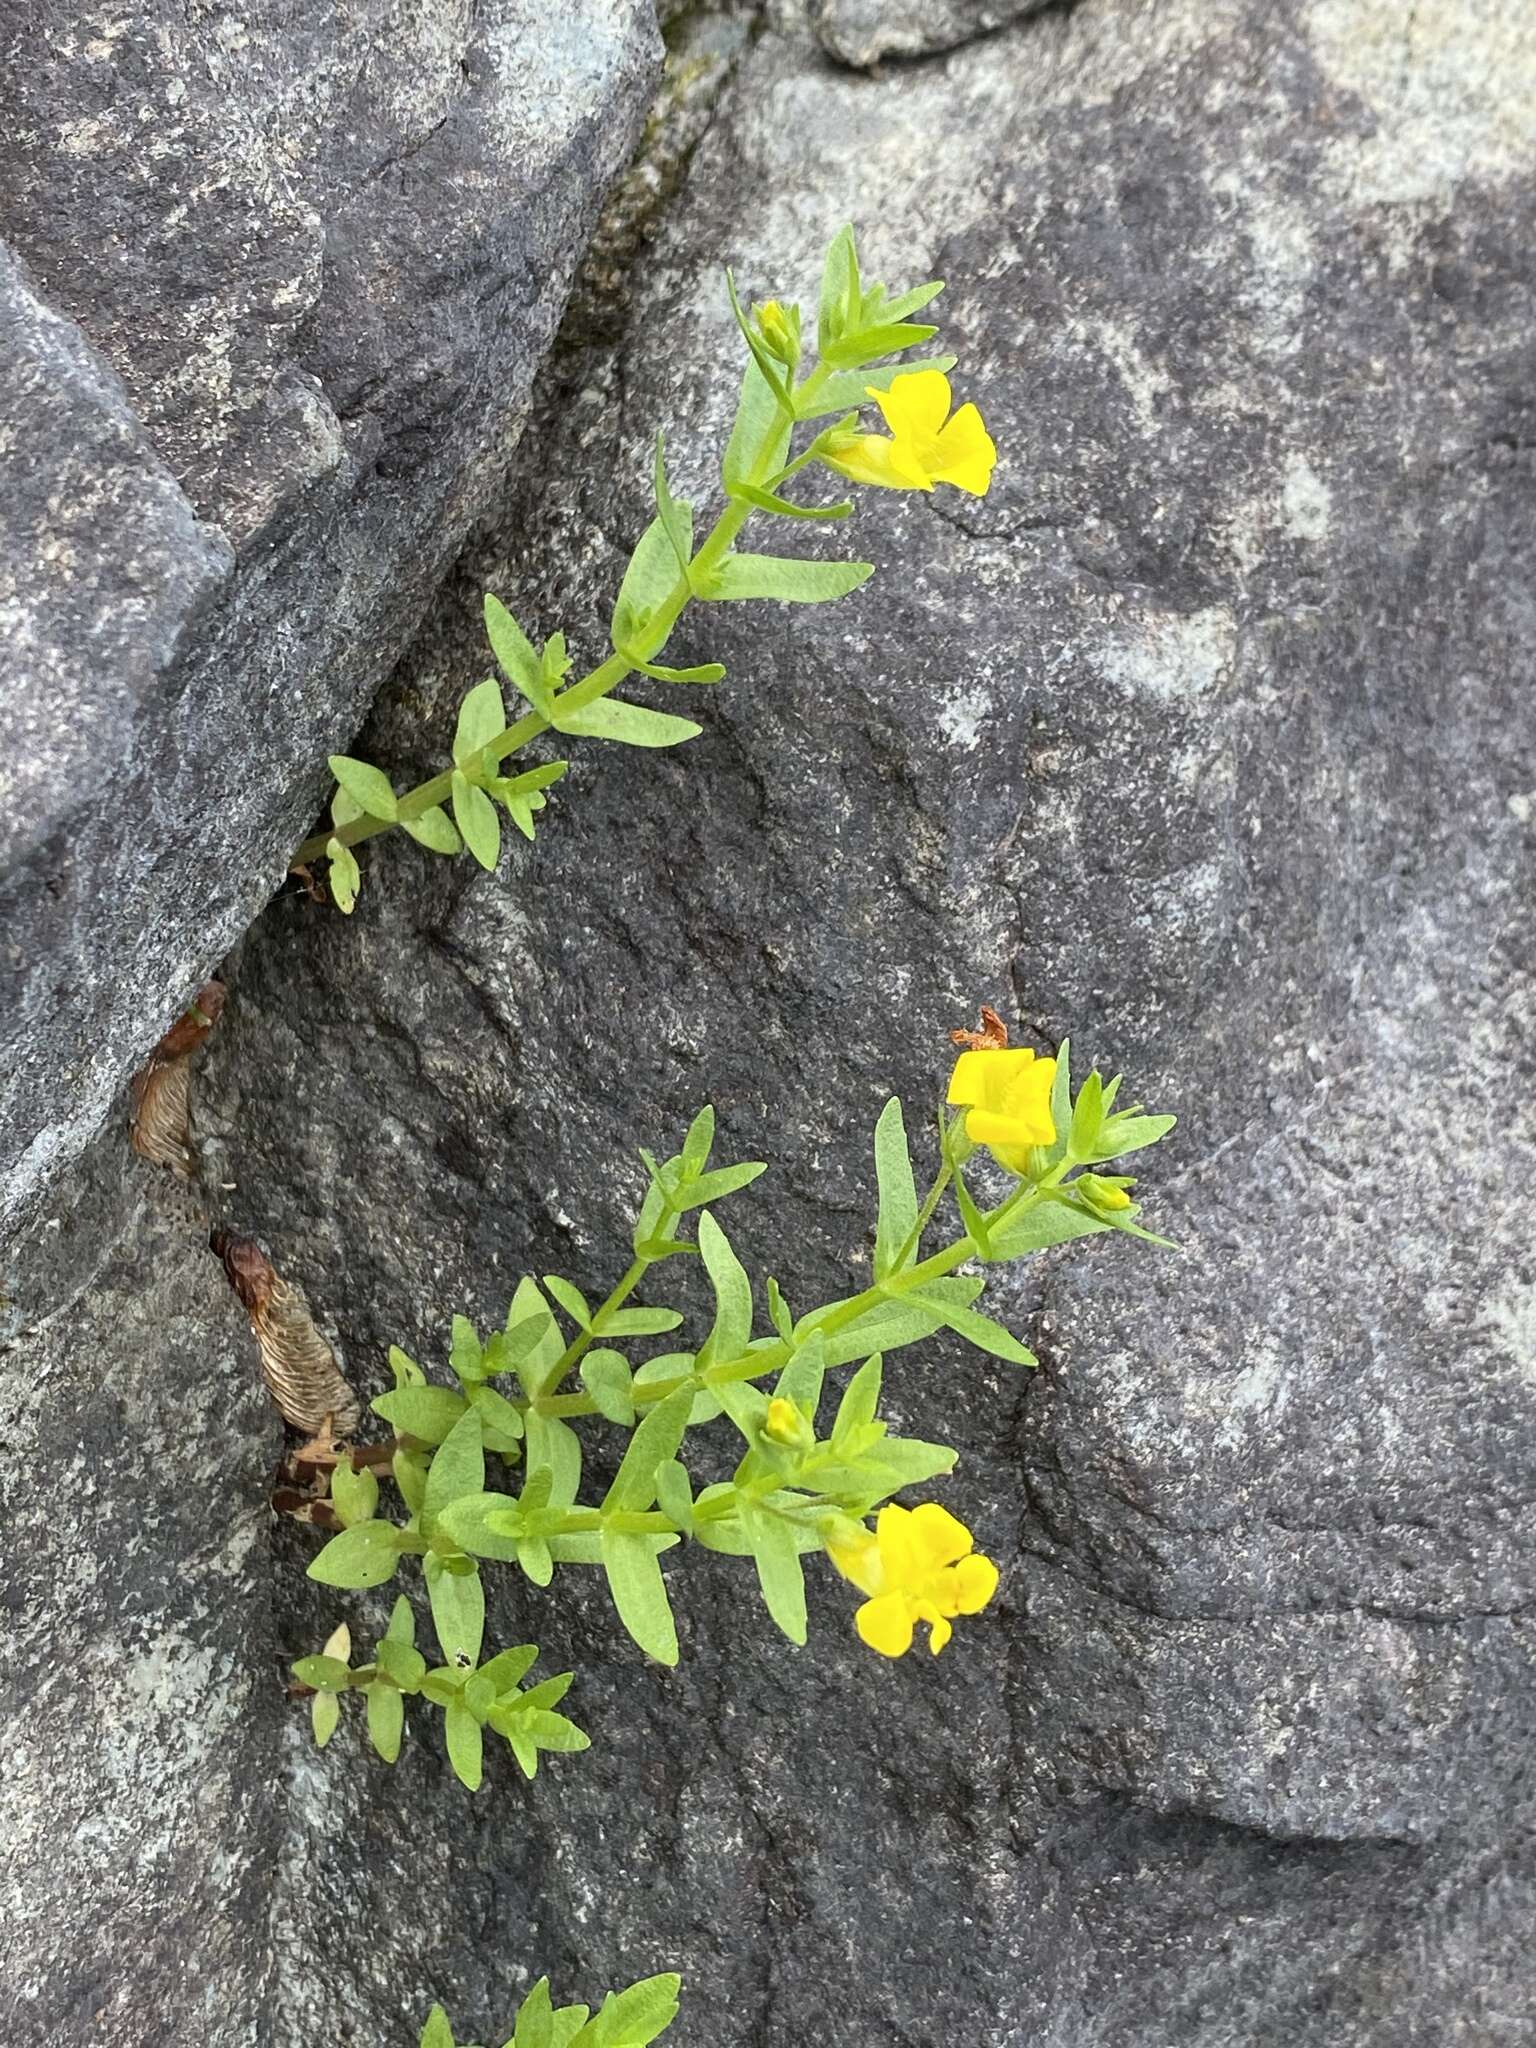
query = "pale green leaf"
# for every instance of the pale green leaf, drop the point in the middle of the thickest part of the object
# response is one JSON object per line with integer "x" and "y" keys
{"x": 784, "y": 577}
{"x": 898, "y": 1190}
{"x": 477, "y": 820}
{"x": 367, "y": 786}
{"x": 639, "y": 1592}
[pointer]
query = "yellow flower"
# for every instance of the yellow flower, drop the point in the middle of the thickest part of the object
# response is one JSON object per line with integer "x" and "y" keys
{"x": 1009, "y": 1093}
{"x": 1100, "y": 1193}
{"x": 919, "y": 1565}
{"x": 784, "y": 1424}
{"x": 926, "y": 447}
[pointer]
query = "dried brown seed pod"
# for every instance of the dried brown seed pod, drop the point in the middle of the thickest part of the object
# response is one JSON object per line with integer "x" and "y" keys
{"x": 297, "y": 1364}
{"x": 160, "y": 1097}
{"x": 992, "y": 1037}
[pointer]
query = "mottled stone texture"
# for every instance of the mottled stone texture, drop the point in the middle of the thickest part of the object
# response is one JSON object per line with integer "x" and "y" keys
{"x": 863, "y": 32}
{"x": 323, "y": 251}
{"x": 1205, "y": 737}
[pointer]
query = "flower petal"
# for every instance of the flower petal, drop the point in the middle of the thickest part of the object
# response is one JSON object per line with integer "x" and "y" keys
{"x": 916, "y": 403}
{"x": 901, "y": 1552}
{"x": 885, "y": 1625}
{"x": 944, "y": 1539}
{"x": 967, "y": 453}
{"x": 868, "y": 459}
{"x": 975, "y": 1581}
{"x": 982, "y": 1075}
{"x": 939, "y": 1630}
{"x": 997, "y": 1127}
{"x": 859, "y": 1563}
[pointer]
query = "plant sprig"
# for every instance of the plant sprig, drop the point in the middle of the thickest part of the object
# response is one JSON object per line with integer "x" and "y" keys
{"x": 625, "y": 2019}
{"x": 857, "y": 326}
{"x": 804, "y": 1482}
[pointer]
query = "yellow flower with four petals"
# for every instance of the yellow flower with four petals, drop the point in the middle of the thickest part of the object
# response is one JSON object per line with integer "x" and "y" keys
{"x": 926, "y": 446}
{"x": 918, "y": 1565}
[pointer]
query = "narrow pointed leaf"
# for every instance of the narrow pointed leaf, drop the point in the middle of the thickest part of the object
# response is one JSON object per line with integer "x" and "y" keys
{"x": 787, "y": 579}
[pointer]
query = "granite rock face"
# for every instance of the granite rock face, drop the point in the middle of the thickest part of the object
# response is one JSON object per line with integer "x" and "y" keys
{"x": 288, "y": 276}
{"x": 1205, "y": 738}
{"x": 864, "y": 32}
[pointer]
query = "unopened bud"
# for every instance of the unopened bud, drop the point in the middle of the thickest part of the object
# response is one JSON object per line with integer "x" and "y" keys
{"x": 1098, "y": 1193}
{"x": 777, "y": 329}
{"x": 787, "y": 1426}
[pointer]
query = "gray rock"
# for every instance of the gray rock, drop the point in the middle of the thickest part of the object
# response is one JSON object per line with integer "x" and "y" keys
{"x": 1204, "y": 737}
{"x": 324, "y": 257}
{"x": 140, "y": 1690}
{"x": 863, "y": 32}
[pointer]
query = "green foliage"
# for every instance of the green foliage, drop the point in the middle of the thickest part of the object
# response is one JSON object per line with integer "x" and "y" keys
{"x": 489, "y": 1470}
{"x": 857, "y": 325}
{"x": 625, "y": 2019}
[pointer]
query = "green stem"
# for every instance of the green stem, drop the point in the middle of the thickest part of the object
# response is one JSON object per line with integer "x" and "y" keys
{"x": 596, "y": 683}
{"x": 636, "y": 1272}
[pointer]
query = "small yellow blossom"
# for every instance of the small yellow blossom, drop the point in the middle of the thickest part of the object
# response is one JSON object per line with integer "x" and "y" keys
{"x": 784, "y": 1424}
{"x": 774, "y": 325}
{"x": 919, "y": 1565}
{"x": 926, "y": 447}
{"x": 1009, "y": 1096}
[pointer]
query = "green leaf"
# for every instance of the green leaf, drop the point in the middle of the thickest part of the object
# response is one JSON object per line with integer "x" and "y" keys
{"x": 976, "y": 1226}
{"x": 323, "y": 1674}
{"x": 364, "y": 1556}
{"x": 852, "y": 387}
{"x": 732, "y": 1328}
{"x": 631, "y": 725}
{"x": 1123, "y": 1134}
{"x": 640, "y": 1322}
{"x": 482, "y": 718}
{"x": 760, "y": 420}
{"x": 714, "y": 1187}
{"x": 898, "y": 1190}
{"x": 657, "y": 1439}
{"x": 437, "y": 2033}
{"x": 865, "y": 344}
{"x": 778, "y": 1570}
{"x": 779, "y": 1312}
{"x": 367, "y": 786}
{"x": 458, "y": 1612}
{"x": 324, "y": 1713}
{"x": 676, "y": 518}
{"x": 534, "y": 2029}
{"x": 406, "y": 1371}
{"x": 427, "y": 1413}
{"x": 632, "y": 2018}
{"x": 860, "y": 1399}
{"x": 606, "y": 1377}
{"x": 699, "y": 1142}
{"x": 571, "y": 1299}
{"x": 533, "y": 1345}
{"x": 1087, "y": 1117}
{"x": 409, "y": 1470}
{"x": 386, "y": 1720}
{"x": 345, "y": 876}
{"x": 402, "y": 1622}
{"x": 674, "y": 1493}
{"x": 773, "y": 371}
{"x": 783, "y": 577}
{"x": 459, "y": 1466}
{"x": 517, "y": 660}
{"x": 343, "y": 810}
{"x": 707, "y": 672}
{"x": 902, "y": 1320}
{"x": 980, "y": 1330}
{"x": 840, "y": 294}
{"x": 465, "y": 1744}
{"x": 553, "y": 1444}
{"x": 402, "y": 1662}
{"x": 786, "y": 508}
{"x": 433, "y": 829}
{"x": 649, "y": 581}
{"x": 484, "y": 1524}
{"x": 1037, "y": 1228}
{"x": 477, "y": 820}
{"x": 554, "y": 1731}
{"x": 1061, "y": 1104}
{"x": 509, "y": 1667}
{"x": 638, "y": 1590}
{"x": 801, "y": 1379}
{"x": 354, "y": 1495}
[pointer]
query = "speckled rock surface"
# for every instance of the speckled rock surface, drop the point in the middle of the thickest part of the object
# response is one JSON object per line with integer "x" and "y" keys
{"x": 324, "y": 253}
{"x": 139, "y": 1693}
{"x": 863, "y": 32}
{"x": 1205, "y": 737}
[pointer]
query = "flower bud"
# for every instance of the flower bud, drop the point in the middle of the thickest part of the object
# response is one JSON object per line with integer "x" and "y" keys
{"x": 1104, "y": 1195}
{"x": 787, "y": 1426}
{"x": 779, "y": 331}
